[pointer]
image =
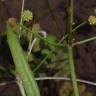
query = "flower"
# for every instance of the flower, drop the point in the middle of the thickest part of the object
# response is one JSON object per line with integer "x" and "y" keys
{"x": 92, "y": 20}
{"x": 27, "y": 15}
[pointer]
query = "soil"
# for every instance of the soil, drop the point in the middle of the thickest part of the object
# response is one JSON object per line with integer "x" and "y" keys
{"x": 84, "y": 54}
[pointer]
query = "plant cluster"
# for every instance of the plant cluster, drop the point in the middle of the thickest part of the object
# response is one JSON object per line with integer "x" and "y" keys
{"x": 46, "y": 47}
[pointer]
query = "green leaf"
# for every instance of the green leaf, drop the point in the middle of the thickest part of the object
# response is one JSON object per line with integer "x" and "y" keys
{"x": 51, "y": 39}
{"x": 21, "y": 64}
{"x": 46, "y": 52}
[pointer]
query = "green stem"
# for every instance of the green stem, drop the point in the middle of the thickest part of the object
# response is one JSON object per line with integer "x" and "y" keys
{"x": 70, "y": 52}
{"x": 21, "y": 20}
{"x": 79, "y": 26}
{"x": 84, "y": 41}
{"x": 69, "y": 19}
{"x": 22, "y": 9}
{"x": 72, "y": 70}
{"x": 51, "y": 43}
{"x": 76, "y": 28}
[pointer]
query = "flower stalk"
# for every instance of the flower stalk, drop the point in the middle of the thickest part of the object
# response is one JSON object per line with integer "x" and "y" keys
{"x": 70, "y": 48}
{"x": 72, "y": 71}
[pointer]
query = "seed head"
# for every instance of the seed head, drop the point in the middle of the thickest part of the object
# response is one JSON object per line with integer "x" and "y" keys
{"x": 27, "y": 15}
{"x": 92, "y": 20}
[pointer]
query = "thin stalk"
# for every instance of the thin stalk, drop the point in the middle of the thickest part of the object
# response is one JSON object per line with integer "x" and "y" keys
{"x": 30, "y": 47}
{"x": 52, "y": 78}
{"x": 84, "y": 41}
{"x": 79, "y": 26}
{"x": 42, "y": 62}
{"x": 51, "y": 43}
{"x": 66, "y": 79}
{"x": 20, "y": 85}
{"x": 76, "y": 28}
{"x": 69, "y": 20}
{"x": 72, "y": 71}
{"x": 22, "y": 9}
{"x": 70, "y": 49}
{"x": 21, "y": 20}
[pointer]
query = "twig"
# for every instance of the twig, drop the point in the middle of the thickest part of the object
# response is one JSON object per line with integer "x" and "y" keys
{"x": 65, "y": 78}
{"x": 19, "y": 83}
{"x": 34, "y": 41}
{"x": 51, "y": 43}
{"x": 53, "y": 78}
{"x": 84, "y": 41}
{"x": 22, "y": 9}
{"x": 79, "y": 26}
{"x": 31, "y": 46}
{"x": 7, "y": 83}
